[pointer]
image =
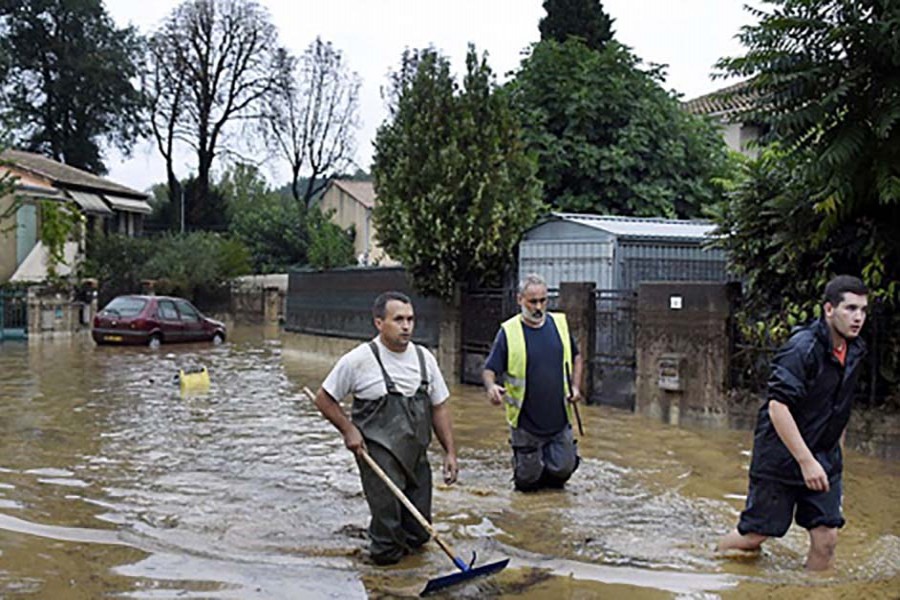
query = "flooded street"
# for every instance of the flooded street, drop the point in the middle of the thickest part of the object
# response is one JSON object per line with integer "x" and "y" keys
{"x": 115, "y": 484}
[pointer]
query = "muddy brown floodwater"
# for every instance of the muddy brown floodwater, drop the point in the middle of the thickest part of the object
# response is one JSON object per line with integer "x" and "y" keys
{"x": 114, "y": 484}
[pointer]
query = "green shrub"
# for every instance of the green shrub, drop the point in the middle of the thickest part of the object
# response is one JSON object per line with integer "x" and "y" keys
{"x": 182, "y": 265}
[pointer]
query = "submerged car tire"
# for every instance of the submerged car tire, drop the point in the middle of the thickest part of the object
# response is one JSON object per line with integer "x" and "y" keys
{"x": 155, "y": 341}
{"x": 218, "y": 338}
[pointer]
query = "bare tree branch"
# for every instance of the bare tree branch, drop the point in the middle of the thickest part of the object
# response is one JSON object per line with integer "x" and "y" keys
{"x": 312, "y": 119}
{"x": 215, "y": 63}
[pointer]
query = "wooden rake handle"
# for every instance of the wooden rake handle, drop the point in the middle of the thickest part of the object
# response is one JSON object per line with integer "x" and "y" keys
{"x": 411, "y": 508}
{"x": 405, "y": 501}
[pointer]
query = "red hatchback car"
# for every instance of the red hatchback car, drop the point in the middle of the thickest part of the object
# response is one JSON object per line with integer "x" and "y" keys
{"x": 154, "y": 320}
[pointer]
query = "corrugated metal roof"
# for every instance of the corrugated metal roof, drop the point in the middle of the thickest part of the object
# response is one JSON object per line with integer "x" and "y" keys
{"x": 636, "y": 227}
{"x": 90, "y": 203}
{"x": 128, "y": 204}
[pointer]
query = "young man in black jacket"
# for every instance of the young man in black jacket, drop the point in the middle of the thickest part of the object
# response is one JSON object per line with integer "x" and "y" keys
{"x": 797, "y": 461}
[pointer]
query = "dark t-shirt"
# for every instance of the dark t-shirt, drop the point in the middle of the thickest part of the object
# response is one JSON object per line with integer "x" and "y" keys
{"x": 543, "y": 411}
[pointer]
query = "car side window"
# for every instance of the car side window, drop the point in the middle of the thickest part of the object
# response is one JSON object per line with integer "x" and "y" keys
{"x": 167, "y": 311}
{"x": 188, "y": 312}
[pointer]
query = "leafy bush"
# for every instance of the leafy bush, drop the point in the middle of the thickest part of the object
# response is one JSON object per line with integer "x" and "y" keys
{"x": 182, "y": 265}
{"x": 329, "y": 245}
{"x": 270, "y": 224}
{"x": 115, "y": 261}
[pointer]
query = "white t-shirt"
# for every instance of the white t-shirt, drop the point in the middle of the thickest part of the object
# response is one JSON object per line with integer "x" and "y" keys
{"x": 358, "y": 373}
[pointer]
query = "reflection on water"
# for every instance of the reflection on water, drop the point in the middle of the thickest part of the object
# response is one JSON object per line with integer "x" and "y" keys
{"x": 112, "y": 482}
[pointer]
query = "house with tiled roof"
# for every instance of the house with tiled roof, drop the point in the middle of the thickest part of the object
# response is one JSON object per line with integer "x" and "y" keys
{"x": 726, "y": 106}
{"x": 106, "y": 206}
{"x": 350, "y": 204}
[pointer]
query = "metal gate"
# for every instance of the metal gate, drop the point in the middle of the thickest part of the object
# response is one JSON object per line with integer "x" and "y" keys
{"x": 13, "y": 315}
{"x": 614, "y": 360}
{"x": 481, "y": 313}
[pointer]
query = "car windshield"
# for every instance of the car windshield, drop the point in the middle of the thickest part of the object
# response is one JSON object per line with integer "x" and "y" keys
{"x": 126, "y": 307}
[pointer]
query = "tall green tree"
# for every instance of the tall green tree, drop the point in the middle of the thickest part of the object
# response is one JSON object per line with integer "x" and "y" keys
{"x": 271, "y": 225}
{"x": 456, "y": 187}
{"x": 826, "y": 76}
{"x": 66, "y": 80}
{"x": 824, "y": 198}
{"x": 585, "y": 19}
{"x": 771, "y": 230}
{"x": 609, "y": 138}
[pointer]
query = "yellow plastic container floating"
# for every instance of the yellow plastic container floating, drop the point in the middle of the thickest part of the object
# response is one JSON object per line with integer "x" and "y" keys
{"x": 193, "y": 379}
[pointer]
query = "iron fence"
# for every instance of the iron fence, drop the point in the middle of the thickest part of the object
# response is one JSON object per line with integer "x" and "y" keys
{"x": 13, "y": 314}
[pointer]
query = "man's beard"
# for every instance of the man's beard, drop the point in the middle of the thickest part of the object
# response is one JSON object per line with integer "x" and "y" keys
{"x": 533, "y": 316}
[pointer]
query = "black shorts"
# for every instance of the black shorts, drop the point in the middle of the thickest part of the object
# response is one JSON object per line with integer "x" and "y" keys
{"x": 771, "y": 504}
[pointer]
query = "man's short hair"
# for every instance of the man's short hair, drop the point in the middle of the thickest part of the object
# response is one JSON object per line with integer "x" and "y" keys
{"x": 379, "y": 308}
{"x": 842, "y": 284}
{"x": 531, "y": 279}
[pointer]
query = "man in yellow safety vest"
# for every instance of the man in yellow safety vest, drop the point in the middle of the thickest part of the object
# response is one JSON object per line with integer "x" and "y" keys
{"x": 539, "y": 361}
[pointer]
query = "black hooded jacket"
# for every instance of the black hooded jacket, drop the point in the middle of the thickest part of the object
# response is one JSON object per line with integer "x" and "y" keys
{"x": 818, "y": 391}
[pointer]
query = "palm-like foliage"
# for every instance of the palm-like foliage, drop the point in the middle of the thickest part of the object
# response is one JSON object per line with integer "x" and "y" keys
{"x": 827, "y": 77}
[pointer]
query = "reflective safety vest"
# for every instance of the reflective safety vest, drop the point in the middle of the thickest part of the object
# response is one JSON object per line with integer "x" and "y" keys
{"x": 516, "y": 359}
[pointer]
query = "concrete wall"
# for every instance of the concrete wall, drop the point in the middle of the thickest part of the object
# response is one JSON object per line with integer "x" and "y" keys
{"x": 8, "y": 229}
{"x": 682, "y": 346}
{"x": 8, "y": 260}
{"x": 348, "y": 211}
{"x": 872, "y": 432}
{"x": 54, "y": 314}
{"x": 740, "y": 137}
{"x": 260, "y": 298}
{"x": 576, "y": 300}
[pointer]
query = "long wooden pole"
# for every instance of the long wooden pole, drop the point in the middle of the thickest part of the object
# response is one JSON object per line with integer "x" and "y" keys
{"x": 406, "y": 502}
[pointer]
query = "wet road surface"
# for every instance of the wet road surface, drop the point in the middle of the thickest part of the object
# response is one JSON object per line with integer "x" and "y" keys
{"x": 113, "y": 483}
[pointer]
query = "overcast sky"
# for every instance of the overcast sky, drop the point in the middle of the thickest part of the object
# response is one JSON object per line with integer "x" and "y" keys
{"x": 687, "y": 35}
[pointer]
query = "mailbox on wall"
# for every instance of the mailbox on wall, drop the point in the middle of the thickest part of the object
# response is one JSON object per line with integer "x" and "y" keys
{"x": 671, "y": 372}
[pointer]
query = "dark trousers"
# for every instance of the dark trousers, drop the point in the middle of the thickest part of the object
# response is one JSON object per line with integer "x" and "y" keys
{"x": 542, "y": 461}
{"x": 393, "y": 531}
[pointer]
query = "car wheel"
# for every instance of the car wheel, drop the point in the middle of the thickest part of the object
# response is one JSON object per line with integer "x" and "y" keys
{"x": 218, "y": 338}
{"x": 155, "y": 341}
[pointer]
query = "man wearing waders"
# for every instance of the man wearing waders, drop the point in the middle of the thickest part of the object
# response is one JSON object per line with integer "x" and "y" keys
{"x": 539, "y": 359}
{"x": 795, "y": 471}
{"x": 399, "y": 395}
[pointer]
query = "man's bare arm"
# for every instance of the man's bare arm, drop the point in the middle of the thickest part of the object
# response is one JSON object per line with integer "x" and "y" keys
{"x": 577, "y": 377}
{"x": 332, "y": 411}
{"x": 494, "y": 392}
{"x": 443, "y": 429}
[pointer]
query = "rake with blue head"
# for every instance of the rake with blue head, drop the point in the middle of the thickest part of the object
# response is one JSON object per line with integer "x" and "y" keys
{"x": 466, "y": 570}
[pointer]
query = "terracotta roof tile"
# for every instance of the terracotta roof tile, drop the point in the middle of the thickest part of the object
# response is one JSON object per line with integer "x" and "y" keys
{"x": 736, "y": 98}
